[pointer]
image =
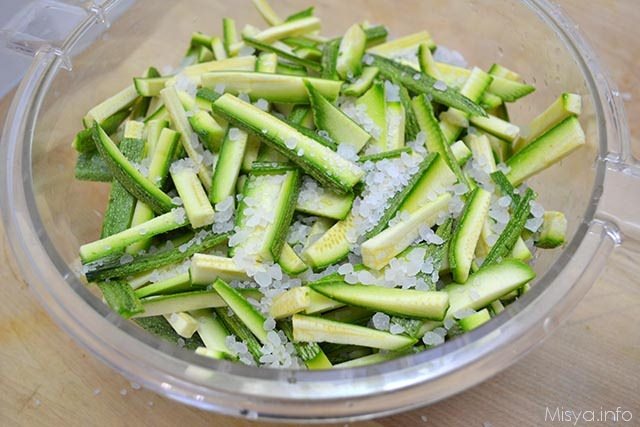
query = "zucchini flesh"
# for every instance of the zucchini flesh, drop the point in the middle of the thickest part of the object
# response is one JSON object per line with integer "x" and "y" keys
{"x": 425, "y": 84}
{"x": 316, "y": 200}
{"x": 229, "y": 35}
{"x": 275, "y": 193}
{"x": 130, "y": 178}
{"x": 253, "y": 319}
{"x": 317, "y": 160}
{"x": 362, "y": 83}
{"x": 267, "y": 63}
{"x": 187, "y": 136}
{"x": 312, "y": 65}
{"x": 228, "y": 166}
{"x": 369, "y": 359}
{"x": 185, "y": 301}
{"x": 331, "y": 248}
{"x": 373, "y": 102}
{"x": 117, "y": 242}
{"x": 266, "y": 11}
{"x": 404, "y": 44}
{"x": 290, "y": 261}
{"x": 399, "y": 198}
{"x": 475, "y": 320}
{"x": 427, "y": 63}
{"x": 395, "y": 117}
{"x": 403, "y": 302}
{"x": 217, "y": 47}
{"x": 122, "y": 100}
{"x": 316, "y": 329}
{"x": 211, "y": 331}
{"x": 164, "y": 152}
{"x": 380, "y": 249}
{"x": 547, "y": 149}
{"x": 350, "y": 52}
{"x": 293, "y": 301}
{"x": 195, "y": 201}
{"x": 487, "y": 285}
{"x": 501, "y": 71}
{"x": 568, "y": 104}
{"x": 182, "y": 323}
{"x": 497, "y": 127}
{"x": 340, "y": 128}
{"x": 271, "y": 87}
{"x": 473, "y": 89}
{"x": 509, "y": 90}
{"x": 554, "y": 230}
{"x": 205, "y": 269}
{"x": 179, "y": 283}
{"x": 435, "y": 142}
{"x": 207, "y": 129}
{"x": 150, "y": 86}
{"x": 112, "y": 268}
{"x": 296, "y": 27}
{"x": 195, "y": 72}
{"x": 310, "y": 352}
{"x": 467, "y": 233}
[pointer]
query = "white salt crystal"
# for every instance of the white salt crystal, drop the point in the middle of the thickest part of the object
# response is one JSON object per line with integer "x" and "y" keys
{"x": 440, "y": 85}
{"x": 504, "y": 201}
{"x": 391, "y": 92}
{"x": 537, "y": 210}
{"x": 126, "y": 259}
{"x": 431, "y": 338}
{"x": 269, "y": 324}
{"x": 262, "y": 104}
{"x": 396, "y": 329}
{"x": 449, "y": 56}
{"x": 235, "y": 134}
{"x": 533, "y": 224}
{"x": 381, "y": 321}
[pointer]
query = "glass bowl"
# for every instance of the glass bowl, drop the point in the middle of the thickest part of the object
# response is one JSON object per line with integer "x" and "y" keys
{"x": 47, "y": 214}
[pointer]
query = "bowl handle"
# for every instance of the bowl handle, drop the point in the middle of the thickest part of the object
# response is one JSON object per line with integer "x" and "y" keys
{"x": 620, "y": 200}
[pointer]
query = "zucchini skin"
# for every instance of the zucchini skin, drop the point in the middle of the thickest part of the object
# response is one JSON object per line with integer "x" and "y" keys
{"x": 92, "y": 167}
{"x": 397, "y": 200}
{"x": 141, "y": 188}
{"x": 112, "y": 268}
{"x": 512, "y": 231}
{"x": 121, "y": 205}
{"x": 319, "y": 172}
{"x": 424, "y": 84}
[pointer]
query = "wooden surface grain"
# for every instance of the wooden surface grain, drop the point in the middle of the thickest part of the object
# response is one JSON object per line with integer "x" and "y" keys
{"x": 591, "y": 362}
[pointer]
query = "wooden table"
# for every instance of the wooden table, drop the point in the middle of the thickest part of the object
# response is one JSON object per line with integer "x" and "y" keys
{"x": 592, "y": 361}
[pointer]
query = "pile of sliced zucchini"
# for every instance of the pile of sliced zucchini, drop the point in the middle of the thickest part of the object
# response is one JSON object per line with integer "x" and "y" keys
{"x": 287, "y": 200}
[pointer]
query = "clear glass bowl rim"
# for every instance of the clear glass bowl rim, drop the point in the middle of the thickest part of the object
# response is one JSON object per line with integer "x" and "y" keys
{"x": 171, "y": 382}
